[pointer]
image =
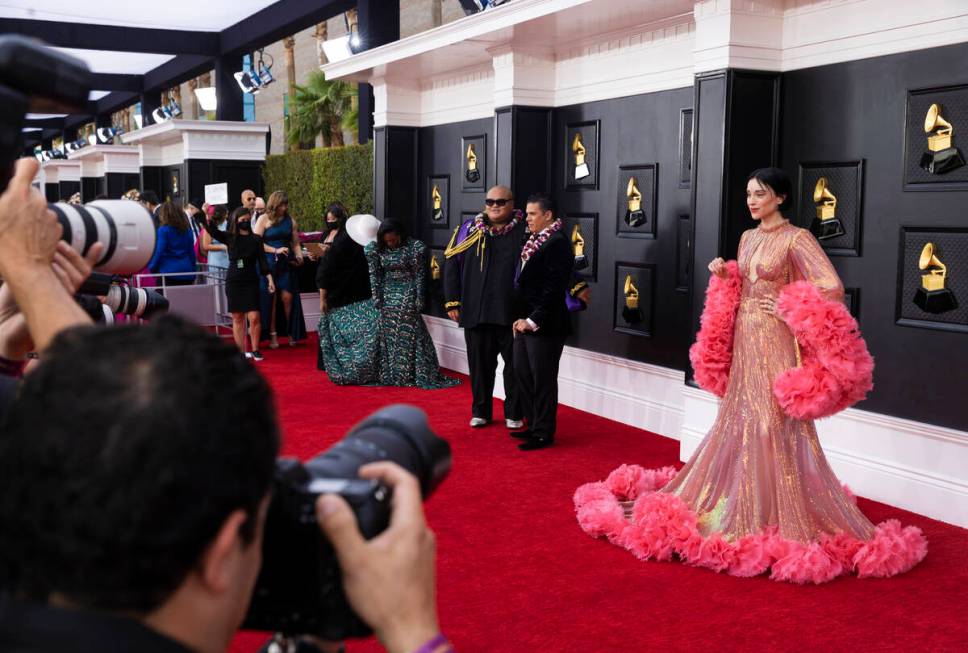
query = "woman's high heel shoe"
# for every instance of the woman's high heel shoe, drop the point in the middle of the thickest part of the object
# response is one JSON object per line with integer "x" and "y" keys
{"x": 273, "y": 340}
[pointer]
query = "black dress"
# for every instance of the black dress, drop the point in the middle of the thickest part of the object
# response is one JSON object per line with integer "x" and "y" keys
{"x": 246, "y": 265}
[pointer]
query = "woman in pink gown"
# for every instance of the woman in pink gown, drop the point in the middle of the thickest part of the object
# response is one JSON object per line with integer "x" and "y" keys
{"x": 758, "y": 494}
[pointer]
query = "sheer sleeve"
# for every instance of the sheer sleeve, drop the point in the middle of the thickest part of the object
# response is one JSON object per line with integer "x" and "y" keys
{"x": 810, "y": 263}
{"x": 376, "y": 273}
{"x": 420, "y": 271}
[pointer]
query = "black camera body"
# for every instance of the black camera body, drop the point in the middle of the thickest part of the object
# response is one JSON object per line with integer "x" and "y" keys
{"x": 299, "y": 590}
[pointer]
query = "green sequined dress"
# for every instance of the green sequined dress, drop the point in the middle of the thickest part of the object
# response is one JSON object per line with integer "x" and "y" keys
{"x": 407, "y": 354}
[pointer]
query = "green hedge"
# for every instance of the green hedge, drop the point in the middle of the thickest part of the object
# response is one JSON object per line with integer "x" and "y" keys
{"x": 314, "y": 178}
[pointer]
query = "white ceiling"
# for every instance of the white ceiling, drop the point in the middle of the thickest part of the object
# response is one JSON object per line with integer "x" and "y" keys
{"x": 210, "y": 15}
{"x": 112, "y": 61}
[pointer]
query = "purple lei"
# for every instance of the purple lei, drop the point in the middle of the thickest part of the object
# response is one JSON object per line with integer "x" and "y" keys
{"x": 535, "y": 241}
{"x": 486, "y": 228}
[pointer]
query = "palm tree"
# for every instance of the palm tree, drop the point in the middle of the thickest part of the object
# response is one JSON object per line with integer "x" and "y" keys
{"x": 322, "y": 106}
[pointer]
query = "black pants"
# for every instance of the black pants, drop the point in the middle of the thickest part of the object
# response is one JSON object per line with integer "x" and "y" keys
{"x": 536, "y": 361}
{"x": 484, "y": 343}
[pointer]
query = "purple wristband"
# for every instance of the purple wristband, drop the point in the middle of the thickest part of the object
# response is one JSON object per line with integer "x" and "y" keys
{"x": 431, "y": 645}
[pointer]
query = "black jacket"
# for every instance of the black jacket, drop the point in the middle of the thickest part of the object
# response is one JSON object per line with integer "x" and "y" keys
{"x": 480, "y": 282}
{"x": 542, "y": 285}
{"x": 343, "y": 272}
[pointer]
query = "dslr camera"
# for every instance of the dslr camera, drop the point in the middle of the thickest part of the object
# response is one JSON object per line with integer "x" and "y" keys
{"x": 299, "y": 590}
{"x": 36, "y": 78}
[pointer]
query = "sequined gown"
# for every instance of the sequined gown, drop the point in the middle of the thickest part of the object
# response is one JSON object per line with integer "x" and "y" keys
{"x": 757, "y": 496}
{"x": 407, "y": 353}
{"x": 757, "y": 467}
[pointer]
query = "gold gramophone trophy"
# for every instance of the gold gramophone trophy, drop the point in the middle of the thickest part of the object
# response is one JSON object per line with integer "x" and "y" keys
{"x": 631, "y": 313}
{"x": 941, "y": 156}
{"x": 438, "y": 201}
{"x": 434, "y": 268}
{"x": 825, "y": 225}
{"x": 578, "y": 245}
{"x": 472, "y": 174}
{"x": 932, "y": 296}
{"x": 578, "y": 148}
{"x": 634, "y": 215}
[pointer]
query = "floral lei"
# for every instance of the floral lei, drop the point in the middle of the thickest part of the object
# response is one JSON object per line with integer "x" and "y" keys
{"x": 487, "y": 228}
{"x": 535, "y": 241}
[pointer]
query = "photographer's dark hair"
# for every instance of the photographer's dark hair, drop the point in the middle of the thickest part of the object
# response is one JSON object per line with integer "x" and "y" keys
{"x": 544, "y": 200}
{"x": 390, "y": 226}
{"x": 777, "y": 181}
{"x": 172, "y": 215}
{"x": 339, "y": 212}
{"x": 117, "y": 467}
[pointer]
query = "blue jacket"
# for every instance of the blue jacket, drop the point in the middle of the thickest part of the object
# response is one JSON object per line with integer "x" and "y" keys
{"x": 174, "y": 251}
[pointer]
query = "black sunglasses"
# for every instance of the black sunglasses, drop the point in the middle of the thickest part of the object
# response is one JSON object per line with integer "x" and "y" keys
{"x": 498, "y": 202}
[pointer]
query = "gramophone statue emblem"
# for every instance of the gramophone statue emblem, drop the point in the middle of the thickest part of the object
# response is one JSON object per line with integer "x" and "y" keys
{"x": 578, "y": 245}
{"x": 438, "y": 201}
{"x": 434, "y": 268}
{"x": 932, "y": 296}
{"x": 472, "y": 174}
{"x": 634, "y": 215}
{"x": 941, "y": 156}
{"x": 631, "y": 313}
{"x": 825, "y": 225}
{"x": 578, "y": 148}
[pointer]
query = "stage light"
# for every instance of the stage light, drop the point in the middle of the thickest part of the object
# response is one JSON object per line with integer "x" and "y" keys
{"x": 92, "y": 138}
{"x": 138, "y": 120}
{"x": 337, "y": 49}
{"x": 246, "y": 82}
{"x": 160, "y": 115}
{"x": 174, "y": 109}
{"x": 475, "y": 6}
{"x": 107, "y": 134}
{"x": 207, "y": 98}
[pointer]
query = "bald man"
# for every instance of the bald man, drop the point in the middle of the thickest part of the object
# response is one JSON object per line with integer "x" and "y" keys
{"x": 479, "y": 288}
{"x": 248, "y": 199}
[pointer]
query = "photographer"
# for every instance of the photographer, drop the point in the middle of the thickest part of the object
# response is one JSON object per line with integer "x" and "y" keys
{"x": 128, "y": 524}
{"x": 40, "y": 274}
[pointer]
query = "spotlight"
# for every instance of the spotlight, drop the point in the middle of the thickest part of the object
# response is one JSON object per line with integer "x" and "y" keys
{"x": 92, "y": 138}
{"x": 107, "y": 134}
{"x": 338, "y": 49}
{"x": 253, "y": 81}
{"x": 247, "y": 83}
{"x": 207, "y": 98}
{"x": 138, "y": 120}
{"x": 475, "y": 6}
{"x": 160, "y": 115}
{"x": 174, "y": 109}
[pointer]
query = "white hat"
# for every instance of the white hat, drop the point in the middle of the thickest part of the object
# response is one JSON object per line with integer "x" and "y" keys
{"x": 363, "y": 228}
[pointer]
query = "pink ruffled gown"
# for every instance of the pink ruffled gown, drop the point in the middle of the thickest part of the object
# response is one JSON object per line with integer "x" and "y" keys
{"x": 758, "y": 493}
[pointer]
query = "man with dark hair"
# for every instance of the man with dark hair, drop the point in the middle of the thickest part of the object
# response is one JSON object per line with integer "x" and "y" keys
{"x": 478, "y": 286}
{"x": 133, "y": 502}
{"x": 149, "y": 199}
{"x": 542, "y": 322}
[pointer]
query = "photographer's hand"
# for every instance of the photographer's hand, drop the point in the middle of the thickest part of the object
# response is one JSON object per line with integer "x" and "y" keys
{"x": 389, "y": 580}
{"x": 29, "y": 233}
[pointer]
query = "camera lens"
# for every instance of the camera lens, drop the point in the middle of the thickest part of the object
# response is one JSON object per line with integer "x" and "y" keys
{"x": 397, "y": 433}
{"x": 136, "y": 302}
{"x": 124, "y": 227}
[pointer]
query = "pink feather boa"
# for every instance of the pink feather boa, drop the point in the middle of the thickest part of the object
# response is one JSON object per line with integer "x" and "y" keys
{"x": 712, "y": 353}
{"x": 836, "y": 369}
{"x": 662, "y": 527}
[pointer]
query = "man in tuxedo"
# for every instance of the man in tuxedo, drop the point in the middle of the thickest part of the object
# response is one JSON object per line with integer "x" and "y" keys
{"x": 542, "y": 322}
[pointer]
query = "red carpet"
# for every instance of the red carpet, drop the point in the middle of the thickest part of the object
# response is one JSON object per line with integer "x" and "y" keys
{"x": 515, "y": 572}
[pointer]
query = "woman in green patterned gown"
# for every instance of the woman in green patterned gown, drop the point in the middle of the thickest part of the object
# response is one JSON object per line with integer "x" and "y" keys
{"x": 398, "y": 266}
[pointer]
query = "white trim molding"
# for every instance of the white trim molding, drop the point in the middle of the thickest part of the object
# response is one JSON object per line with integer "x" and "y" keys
{"x": 917, "y": 467}
{"x": 98, "y": 160}
{"x": 60, "y": 170}
{"x": 174, "y": 141}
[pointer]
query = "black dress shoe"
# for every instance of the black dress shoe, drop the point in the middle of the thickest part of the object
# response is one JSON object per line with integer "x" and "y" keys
{"x": 522, "y": 435}
{"x": 533, "y": 443}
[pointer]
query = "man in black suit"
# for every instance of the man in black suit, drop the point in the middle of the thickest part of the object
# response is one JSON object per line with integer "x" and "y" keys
{"x": 542, "y": 322}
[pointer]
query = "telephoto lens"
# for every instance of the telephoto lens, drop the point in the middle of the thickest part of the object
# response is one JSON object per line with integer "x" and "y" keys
{"x": 124, "y": 227}
{"x": 299, "y": 590}
{"x": 119, "y": 298}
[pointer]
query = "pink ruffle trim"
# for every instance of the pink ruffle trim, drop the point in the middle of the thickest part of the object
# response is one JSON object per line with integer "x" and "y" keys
{"x": 663, "y": 527}
{"x": 712, "y": 353}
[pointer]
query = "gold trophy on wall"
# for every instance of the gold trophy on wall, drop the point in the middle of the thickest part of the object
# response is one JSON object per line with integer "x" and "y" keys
{"x": 932, "y": 296}
{"x": 578, "y": 245}
{"x": 438, "y": 202}
{"x": 634, "y": 215}
{"x": 825, "y": 225}
{"x": 434, "y": 268}
{"x": 631, "y": 313}
{"x": 472, "y": 174}
{"x": 578, "y": 148}
{"x": 941, "y": 156}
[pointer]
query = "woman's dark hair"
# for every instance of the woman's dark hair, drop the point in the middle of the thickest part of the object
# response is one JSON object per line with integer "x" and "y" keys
{"x": 174, "y": 217}
{"x": 390, "y": 226}
{"x": 777, "y": 181}
{"x": 233, "y": 225}
{"x": 339, "y": 212}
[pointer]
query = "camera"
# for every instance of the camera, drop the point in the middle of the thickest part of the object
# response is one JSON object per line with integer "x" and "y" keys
{"x": 118, "y": 298}
{"x": 299, "y": 590}
{"x": 37, "y": 78}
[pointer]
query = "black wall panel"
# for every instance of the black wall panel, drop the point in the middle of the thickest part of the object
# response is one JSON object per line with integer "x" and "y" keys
{"x": 856, "y": 111}
{"x": 91, "y": 187}
{"x": 119, "y": 183}
{"x": 67, "y": 188}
